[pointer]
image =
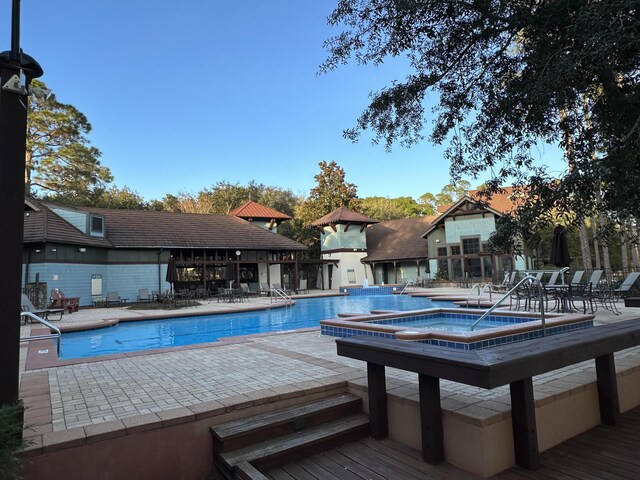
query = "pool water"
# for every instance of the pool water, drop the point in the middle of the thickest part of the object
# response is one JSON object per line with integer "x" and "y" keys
{"x": 150, "y": 334}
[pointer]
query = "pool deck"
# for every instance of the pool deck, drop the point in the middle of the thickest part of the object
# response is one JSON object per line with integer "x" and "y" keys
{"x": 70, "y": 401}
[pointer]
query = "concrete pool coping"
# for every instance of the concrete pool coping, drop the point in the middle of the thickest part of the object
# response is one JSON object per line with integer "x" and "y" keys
{"x": 88, "y": 408}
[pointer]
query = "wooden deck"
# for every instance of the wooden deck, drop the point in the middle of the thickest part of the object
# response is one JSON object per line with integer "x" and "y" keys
{"x": 603, "y": 452}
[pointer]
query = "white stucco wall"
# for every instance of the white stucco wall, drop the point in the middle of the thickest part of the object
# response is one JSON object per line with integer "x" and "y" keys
{"x": 348, "y": 260}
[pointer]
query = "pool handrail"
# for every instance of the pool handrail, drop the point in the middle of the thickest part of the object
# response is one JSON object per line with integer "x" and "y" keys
{"x": 57, "y": 334}
{"x": 281, "y": 293}
{"x": 529, "y": 278}
{"x": 481, "y": 287}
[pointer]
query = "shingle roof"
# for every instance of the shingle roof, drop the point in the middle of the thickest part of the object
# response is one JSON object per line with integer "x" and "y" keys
{"x": 42, "y": 225}
{"x": 501, "y": 202}
{"x": 255, "y": 210}
{"x": 152, "y": 229}
{"x": 343, "y": 215}
{"x": 398, "y": 239}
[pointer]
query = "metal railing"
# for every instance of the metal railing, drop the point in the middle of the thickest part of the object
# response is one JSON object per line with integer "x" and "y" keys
{"x": 528, "y": 278}
{"x": 57, "y": 333}
{"x": 481, "y": 287}
{"x": 281, "y": 294}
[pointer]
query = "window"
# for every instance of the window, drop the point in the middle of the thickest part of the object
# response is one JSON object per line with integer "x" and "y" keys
{"x": 470, "y": 245}
{"x": 442, "y": 251}
{"x": 96, "y": 226}
{"x": 455, "y": 250}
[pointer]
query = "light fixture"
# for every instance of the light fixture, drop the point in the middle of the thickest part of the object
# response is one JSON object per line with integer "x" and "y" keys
{"x": 54, "y": 249}
{"x": 38, "y": 250}
{"x": 82, "y": 249}
{"x": 238, "y": 253}
{"x": 437, "y": 240}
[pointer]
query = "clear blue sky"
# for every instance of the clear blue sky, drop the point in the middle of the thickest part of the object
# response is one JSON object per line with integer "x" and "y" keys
{"x": 184, "y": 94}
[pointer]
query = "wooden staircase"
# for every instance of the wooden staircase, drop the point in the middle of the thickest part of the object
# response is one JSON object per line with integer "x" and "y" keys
{"x": 243, "y": 447}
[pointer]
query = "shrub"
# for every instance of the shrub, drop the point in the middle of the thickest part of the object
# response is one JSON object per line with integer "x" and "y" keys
{"x": 10, "y": 440}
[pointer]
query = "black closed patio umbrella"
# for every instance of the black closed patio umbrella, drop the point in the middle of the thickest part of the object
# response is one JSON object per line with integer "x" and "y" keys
{"x": 172, "y": 273}
{"x": 560, "y": 248}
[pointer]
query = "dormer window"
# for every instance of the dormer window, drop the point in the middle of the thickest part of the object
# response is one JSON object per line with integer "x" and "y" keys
{"x": 96, "y": 225}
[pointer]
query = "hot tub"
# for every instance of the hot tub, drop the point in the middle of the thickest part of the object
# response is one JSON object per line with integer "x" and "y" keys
{"x": 452, "y": 327}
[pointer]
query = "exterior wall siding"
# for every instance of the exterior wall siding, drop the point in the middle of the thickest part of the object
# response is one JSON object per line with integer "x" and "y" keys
{"x": 471, "y": 226}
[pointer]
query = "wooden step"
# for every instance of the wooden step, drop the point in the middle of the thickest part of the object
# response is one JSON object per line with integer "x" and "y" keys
{"x": 243, "y": 432}
{"x": 290, "y": 448}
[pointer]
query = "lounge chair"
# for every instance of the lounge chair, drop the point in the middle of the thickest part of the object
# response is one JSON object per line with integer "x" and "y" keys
{"x": 265, "y": 289}
{"x": 114, "y": 299}
{"x": 59, "y": 300}
{"x": 594, "y": 280}
{"x": 625, "y": 287}
{"x": 277, "y": 286}
{"x": 144, "y": 296}
{"x": 303, "y": 286}
{"x": 552, "y": 279}
{"x": 507, "y": 283}
{"x": 45, "y": 313}
{"x": 577, "y": 277}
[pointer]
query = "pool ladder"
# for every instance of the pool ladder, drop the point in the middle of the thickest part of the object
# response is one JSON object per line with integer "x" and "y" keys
{"x": 481, "y": 287}
{"x": 530, "y": 279}
{"x": 57, "y": 333}
{"x": 280, "y": 293}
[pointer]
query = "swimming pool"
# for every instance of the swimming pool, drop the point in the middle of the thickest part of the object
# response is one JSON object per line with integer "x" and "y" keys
{"x": 171, "y": 332}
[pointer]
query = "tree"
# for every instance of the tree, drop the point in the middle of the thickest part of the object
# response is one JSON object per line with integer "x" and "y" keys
{"x": 102, "y": 197}
{"x": 503, "y": 71}
{"x": 59, "y": 158}
{"x": 381, "y": 208}
{"x": 331, "y": 191}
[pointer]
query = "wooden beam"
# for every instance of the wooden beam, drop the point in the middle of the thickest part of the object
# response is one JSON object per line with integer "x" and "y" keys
{"x": 608, "y": 390}
{"x": 523, "y": 418}
{"x": 431, "y": 419}
{"x": 378, "y": 411}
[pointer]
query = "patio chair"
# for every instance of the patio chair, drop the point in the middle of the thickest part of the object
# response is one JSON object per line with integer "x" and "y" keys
{"x": 144, "y": 296}
{"x": 303, "y": 286}
{"x": 59, "y": 300}
{"x": 114, "y": 299}
{"x": 582, "y": 292}
{"x": 45, "y": 313}
{"x": 245, "y": 290}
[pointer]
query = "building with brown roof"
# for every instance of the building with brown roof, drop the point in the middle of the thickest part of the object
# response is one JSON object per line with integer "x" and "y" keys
{"x": 457, "y": 239}
{"x": 396, "y": 251}
{"x": 265, "y": 217}
{"x": 88, "y": 252}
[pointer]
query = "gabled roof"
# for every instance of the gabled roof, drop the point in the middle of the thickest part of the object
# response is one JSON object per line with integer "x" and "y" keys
{"x": 152, "y": 229}
{"x": 252, "y": 210}
{"x": 398, "y": 239}
{"x": 343, "y": 215}
{"x": 454, "y": 208}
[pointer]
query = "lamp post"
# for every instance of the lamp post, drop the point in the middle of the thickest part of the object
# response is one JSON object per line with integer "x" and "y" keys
{"x": 16, "y": 72}
{"x": 238, "y": 253}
